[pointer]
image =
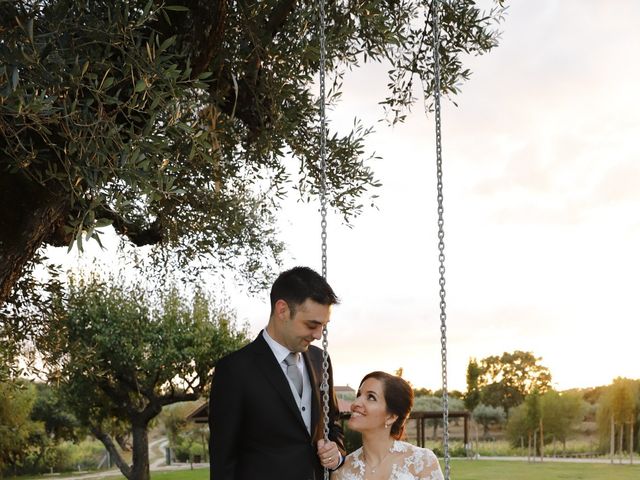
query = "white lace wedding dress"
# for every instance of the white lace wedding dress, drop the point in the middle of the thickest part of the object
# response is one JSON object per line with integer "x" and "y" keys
{"x": 408, "y": 463}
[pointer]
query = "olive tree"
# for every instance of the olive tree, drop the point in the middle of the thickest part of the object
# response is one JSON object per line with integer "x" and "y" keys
{"x": 120, "y": 354}
{"x": 182, "y": 123}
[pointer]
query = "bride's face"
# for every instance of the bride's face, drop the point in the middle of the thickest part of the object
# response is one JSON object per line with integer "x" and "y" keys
{"x": 369, "y": 410}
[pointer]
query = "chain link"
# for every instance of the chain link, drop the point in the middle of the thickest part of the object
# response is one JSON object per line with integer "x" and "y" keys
{"x": 441, "y": 269}
{"x": 323, "y": 214}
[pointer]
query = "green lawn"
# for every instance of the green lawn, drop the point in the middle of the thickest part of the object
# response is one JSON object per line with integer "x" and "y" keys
{"x": 492, "y": 470}
{"x": 508, "y": 470}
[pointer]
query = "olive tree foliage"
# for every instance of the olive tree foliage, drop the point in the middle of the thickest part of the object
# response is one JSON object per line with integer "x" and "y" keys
{"x": 119, "y": 354}
{"x": 487, "y": 415}
{"x": 183, "y": 123}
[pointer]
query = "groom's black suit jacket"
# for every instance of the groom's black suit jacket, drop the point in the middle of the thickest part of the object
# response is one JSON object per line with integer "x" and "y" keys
{"x": 257, "y": 431}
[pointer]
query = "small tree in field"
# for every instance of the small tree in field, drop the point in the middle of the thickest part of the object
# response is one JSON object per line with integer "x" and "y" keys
{"x": 119, "y": 356}
{"x": 487, "y": 415}
{"x": 561, "y": 414}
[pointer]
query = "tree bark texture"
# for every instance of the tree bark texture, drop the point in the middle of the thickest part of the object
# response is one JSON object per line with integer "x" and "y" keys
{"x": 113, "y": 451}
{"x": 30, "y": 214}
{"x": 140, "y": 459}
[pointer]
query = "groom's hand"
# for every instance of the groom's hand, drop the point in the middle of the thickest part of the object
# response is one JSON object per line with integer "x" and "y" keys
{"x": 329, "y": 454}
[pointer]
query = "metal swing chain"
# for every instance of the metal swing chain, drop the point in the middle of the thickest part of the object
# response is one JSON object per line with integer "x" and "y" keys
{"x": 323, "y": 223}
{"x": 441, "y": 269}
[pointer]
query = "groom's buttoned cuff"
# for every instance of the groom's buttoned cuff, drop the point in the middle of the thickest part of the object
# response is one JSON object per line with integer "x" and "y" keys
{"x": 340, "y": 462}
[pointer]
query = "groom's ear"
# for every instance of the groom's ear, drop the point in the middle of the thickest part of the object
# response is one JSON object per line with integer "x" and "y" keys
{"x": 281, "y": 309}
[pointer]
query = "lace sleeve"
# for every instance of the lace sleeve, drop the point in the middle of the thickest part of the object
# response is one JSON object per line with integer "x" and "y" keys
{"x": 430, "y": 466}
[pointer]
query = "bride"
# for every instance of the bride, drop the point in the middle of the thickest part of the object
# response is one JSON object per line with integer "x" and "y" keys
{"x": 379, "y": 412}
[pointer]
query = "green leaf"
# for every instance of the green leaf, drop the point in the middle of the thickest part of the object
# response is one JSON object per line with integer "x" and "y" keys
{"x": 15, "y": 77}
{"x": 30, "y": 29}
{"x": 167, "y": 43}
{"x": 141, "y": 85}
{"x": 79, "y": 241}
{"x": 103, "y": 222}
{"x": 176, "y": 8}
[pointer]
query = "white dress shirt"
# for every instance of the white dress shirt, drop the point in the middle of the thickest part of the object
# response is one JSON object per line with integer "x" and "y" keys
{"x": 304, "y": 404}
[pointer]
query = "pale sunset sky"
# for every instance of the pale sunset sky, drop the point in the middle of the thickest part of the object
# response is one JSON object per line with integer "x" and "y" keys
{"x": 542, "y": 211}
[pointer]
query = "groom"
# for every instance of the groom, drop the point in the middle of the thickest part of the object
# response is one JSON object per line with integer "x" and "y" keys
{"x": 265, "y": 411}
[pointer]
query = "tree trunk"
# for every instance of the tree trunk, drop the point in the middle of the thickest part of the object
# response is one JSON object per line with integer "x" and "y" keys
{"x": 620, "y": 442}
{"x": 140, "y": 467}
{"x": 612, "y": 438}
{"x": 541, "y": 441}
{"x": 113, "y": 451}
{"x": 29, "y": 215}
{"x": 631, "y": 442}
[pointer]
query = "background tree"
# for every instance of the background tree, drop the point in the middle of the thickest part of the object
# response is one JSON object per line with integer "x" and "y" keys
{"x": 620, "y": 402}
{"x": 524, "y": 422}
{"x": 120, "y": 355}
{"x": 561, "y": 414}
{"x": 472, "y": 395}
{"x": 58, "y": 420}
{"x": 487, "y": 415}
{"x": 507, "y": 379}
{"x": 17, "y": 429}
{"x": 180, "y": 123}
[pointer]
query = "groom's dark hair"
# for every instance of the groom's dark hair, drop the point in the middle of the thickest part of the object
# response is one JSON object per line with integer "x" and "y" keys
{"x": 298, "y": 284}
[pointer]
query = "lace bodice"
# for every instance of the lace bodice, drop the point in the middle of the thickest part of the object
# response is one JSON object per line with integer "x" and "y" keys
{"x": 408, "y": 463}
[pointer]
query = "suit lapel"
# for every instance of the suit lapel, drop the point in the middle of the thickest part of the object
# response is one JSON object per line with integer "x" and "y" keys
{"x": 272, "y": 371}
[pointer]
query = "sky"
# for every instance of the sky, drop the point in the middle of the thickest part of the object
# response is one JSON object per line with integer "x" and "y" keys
{"x": 542, "y": 211}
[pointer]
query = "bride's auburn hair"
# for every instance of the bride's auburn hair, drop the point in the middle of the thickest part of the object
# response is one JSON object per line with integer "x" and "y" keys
{"x": 398, "y": 395}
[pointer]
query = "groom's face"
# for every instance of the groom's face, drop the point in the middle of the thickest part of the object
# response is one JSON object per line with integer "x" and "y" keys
{"x": 298, "y": 330}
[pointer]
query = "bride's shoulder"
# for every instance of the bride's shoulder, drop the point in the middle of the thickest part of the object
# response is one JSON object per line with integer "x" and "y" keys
{"x": 412, "y": 450}
{"x": 420, "y": 462}
{"x": 355, "y": 457}
{"x": 352, "y": 469}
{"x": 356, "y": 453}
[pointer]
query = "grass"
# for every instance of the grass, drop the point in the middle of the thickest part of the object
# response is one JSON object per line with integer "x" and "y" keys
{"x": 511, "y": 470}
{"x": 462, "y": 469}
{"x": 491, "y": 470}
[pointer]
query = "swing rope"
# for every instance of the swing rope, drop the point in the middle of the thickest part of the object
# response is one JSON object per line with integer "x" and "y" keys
{"x": 323, "y": 222}
{"x": 441, "y": 269}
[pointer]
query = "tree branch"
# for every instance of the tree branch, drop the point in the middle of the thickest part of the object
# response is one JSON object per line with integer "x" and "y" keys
{"x": 113, "y": 451}
{"x": 140, "y": 236}
{"x": 278, "y": 16}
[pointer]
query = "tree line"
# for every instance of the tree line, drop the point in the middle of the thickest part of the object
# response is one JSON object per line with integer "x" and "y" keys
{"x": 514, "y": 390}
